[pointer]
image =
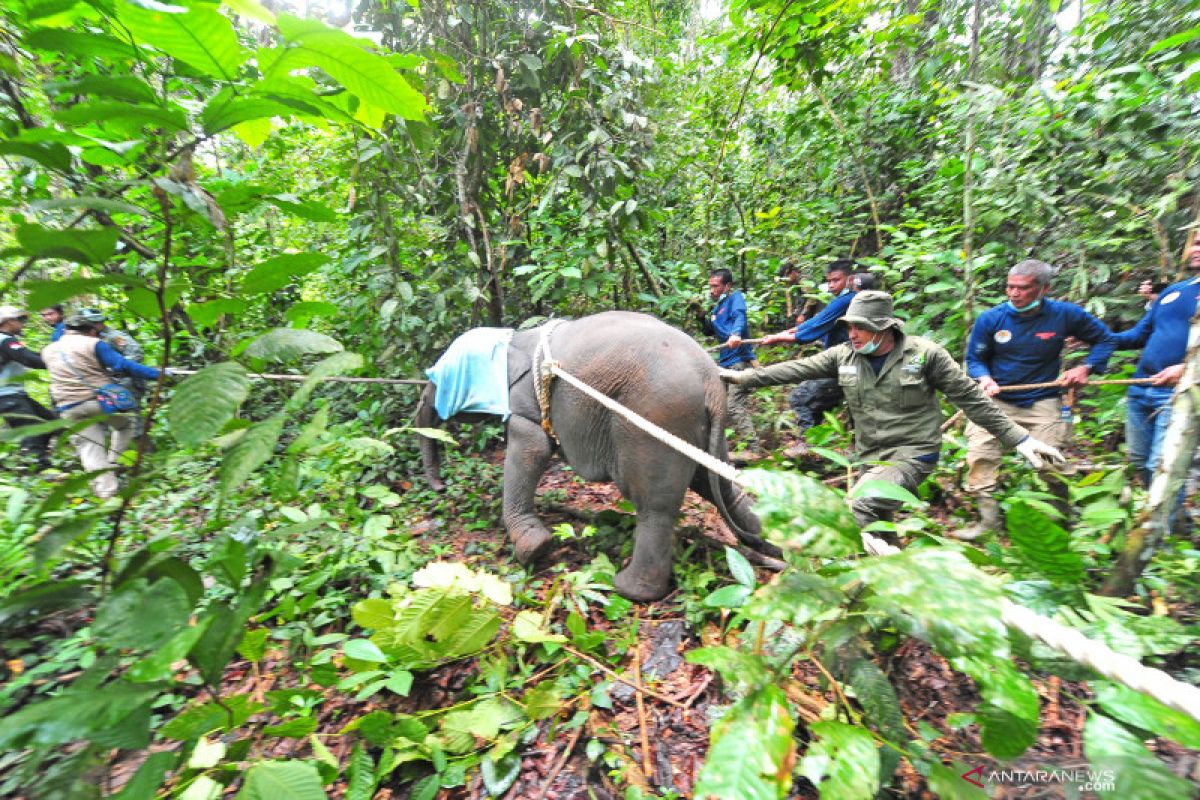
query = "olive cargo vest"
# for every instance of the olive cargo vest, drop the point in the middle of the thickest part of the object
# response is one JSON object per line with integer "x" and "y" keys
{"x": 66, "y": 387}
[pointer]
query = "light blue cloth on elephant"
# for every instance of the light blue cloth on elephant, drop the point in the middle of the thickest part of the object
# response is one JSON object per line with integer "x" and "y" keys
{"x": 472, "y": 375}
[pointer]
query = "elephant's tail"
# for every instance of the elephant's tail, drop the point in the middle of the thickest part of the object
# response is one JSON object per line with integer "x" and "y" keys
{"x": 722, "y": 489}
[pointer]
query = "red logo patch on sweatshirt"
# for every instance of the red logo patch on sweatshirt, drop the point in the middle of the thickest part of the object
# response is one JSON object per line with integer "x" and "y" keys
{"x": 1045, "y": 335}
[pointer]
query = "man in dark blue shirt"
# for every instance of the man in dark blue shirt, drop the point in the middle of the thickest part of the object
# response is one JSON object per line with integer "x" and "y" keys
{"x": 53, "y": 316}
{"x": 810, "y": 399}
{"x": 729, "y": 324}
{"x": 1021, "y": 342}
{"x": 1163, "y": 333}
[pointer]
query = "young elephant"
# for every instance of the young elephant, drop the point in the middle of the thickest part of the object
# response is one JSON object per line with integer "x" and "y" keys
{"x": 649, "y": 367}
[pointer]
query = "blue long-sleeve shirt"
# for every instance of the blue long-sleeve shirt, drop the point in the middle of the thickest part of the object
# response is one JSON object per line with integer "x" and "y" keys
{"x": 825, "y": 325}
{"x": 1163, "y": 330}
{"x": 115, "y": 362}
{"x": 1015, "y": 349}
{"x": 59, "y": 329}
{"x": 729, "y": 317}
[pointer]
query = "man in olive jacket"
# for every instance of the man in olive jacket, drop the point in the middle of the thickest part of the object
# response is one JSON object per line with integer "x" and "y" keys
{"x": 889, "y": 380}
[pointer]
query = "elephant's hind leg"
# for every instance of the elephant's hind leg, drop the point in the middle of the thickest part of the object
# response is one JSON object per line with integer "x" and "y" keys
{"x": 525, "y": 460}
{"x": 655, "y": 486}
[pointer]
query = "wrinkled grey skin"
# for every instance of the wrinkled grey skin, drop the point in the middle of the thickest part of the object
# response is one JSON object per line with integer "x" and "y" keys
{"x": 649, "y": 367}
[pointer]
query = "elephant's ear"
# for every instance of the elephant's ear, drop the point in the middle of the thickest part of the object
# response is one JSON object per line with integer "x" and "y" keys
{"x": 520, "y": 364}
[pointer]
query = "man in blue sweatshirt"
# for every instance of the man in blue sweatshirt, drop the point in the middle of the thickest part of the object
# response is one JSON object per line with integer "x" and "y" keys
{"x": 1021, "y": 342}
{"x": 729, "y": 324}
{"x": 1162, "y": 333}
{"x": 812, "y": 398}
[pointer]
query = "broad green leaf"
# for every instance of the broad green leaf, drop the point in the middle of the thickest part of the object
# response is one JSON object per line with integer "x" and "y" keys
{"x": 476, "y": 633}
{"x": 364, "y": 74}
{"x": 287, "y": 344}
{"x": 302, "y": 312}
{"x": 374, "y": 613}
{"x": 203, "y": 403}
{"x": 91, "y": 203}
{"x": 734, "y": 666}
{"x": 803, "y": 516}
{"x": 49, "y": 154}
{"x": 250, "y": 452}
{"x": 157, "y": 666}
{"x": 1009, "y": 713}
{"x": 201, "y": 38}
{"x": 144, "y": 303}
{"x": 887, "y": 491}
{"x": 484, "y": 719}
{"x": 937, "y": 595}
{"x": 145, "y": 783}
{"x": 170, "y": 118}
{"x": 542, "y": 701}
{"x": 1136, "y": 773}
{"x": 1172, "y": 42}
{"x": 277, "y": 272}
{"x": 296, "y": 728}
{"x": 305, "y": 209}
{"x": 225, "y": 110}
{"x": 207, "y": 313}
{"x": 731, "y": 596}
{"x": 752, "y": 750}
{"x": 529, "y": 626}
{"x": 842, "y": 762}
{"x": 881, "y": 708}
{"x": 79, "y": 43}
{"x": 361, "y": 783}
{"x": 207, "y": 717}
{"x": 1043, "y": 546}
{"x": 1134, "y": 708}
{"x": 336, "y": 364}
{"x": 27, "y": 605}
{"x": 76, "y": 715}
{"x": 64, "y": 533}
{"x": 794, "y": 597}
{"x": 252, "y": 9}
{"x": 142, "y": 616}
{"x": 118, "y": 87}
{"x": 94, "y": 246}
{"x": 740, "y": 568}
{"x": 253, "y": 644}
{"x": 282, "y": 780}
{"x": 363, "y": 650}
{"x": 437, "y": 434}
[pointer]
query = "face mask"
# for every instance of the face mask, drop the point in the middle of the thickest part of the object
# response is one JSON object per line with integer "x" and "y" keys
{"x": 1029, "y": 307}
{"x": 870, "y": 347}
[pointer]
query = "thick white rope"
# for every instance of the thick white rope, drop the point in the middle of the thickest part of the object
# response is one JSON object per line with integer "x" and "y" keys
{"x": 1095, "y": 655}
{"x": 666, "y": 437}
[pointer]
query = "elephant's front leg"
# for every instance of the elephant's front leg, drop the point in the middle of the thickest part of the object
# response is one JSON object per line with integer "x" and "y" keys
{"x": 525, "y": 460}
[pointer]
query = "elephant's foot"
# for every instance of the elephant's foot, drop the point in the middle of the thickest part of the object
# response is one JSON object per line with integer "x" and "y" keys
{"x": 531, "y": 543}
{"x": 642, "y": 586}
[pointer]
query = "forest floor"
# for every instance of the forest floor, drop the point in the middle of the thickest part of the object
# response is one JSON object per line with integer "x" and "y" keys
{"x": 661, "y": 742}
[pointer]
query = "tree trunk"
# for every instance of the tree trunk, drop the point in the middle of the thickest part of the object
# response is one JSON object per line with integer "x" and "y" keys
{"x": 969, "y": 175}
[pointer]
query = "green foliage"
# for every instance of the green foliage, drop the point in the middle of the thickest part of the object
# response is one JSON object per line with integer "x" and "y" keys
{"x": 1137, "y": 773}
{"x": 1043, "y": 546}
{"x": 282, "y": 780}
{"x": 205, "y": 402}
{"x": 752, "y": 750}
{"x": 842, "y": 762}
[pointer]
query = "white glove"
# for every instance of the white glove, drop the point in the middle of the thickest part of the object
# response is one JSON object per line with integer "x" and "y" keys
{"x": 1033, "y": 450}
{"x": 733, "y": 375}
{"x": 171, "y": 372}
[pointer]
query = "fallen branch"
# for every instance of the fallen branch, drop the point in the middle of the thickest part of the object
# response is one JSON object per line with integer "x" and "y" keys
{"x": 610, "y": 673}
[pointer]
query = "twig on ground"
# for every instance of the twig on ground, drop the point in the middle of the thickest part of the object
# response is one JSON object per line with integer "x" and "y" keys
{"x": 638, "y": 698}
{"x": 610, "y": 673}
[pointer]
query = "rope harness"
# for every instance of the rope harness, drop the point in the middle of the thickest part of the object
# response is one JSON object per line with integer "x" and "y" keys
{"x": 1099, "y": 657}
{"x": 544, "y": 367}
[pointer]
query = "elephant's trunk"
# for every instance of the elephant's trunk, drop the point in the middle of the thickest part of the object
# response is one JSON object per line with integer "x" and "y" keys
{"x": 431, "y": 453}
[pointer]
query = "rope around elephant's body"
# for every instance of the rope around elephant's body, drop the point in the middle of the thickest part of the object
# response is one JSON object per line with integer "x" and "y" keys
{"x": 1099, "y": 657}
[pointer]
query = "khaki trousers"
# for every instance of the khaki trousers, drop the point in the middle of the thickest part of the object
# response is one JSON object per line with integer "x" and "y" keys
{"x": 100, "y": 444}
{"x": 1043, "y": 420}
{"x": 738, "y": 406}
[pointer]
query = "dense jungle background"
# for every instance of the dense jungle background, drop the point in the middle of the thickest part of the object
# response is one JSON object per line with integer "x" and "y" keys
{"x": 279, "y": 606}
